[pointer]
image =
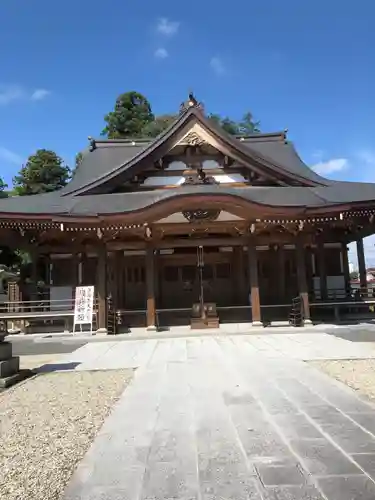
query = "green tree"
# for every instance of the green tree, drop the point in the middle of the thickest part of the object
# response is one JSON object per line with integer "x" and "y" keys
{"x": 130, "y": 116}
{"x": 248, "y": 126}
{"x": 78, "y": 160}
{"x": 158, "y": 125}
{"x": 44, "y": 172}
{"x": 3, "y": 187}
{"x": 10, "y": 258}
{"x": 244, "y": 127}
{"x": 227, "y": 124}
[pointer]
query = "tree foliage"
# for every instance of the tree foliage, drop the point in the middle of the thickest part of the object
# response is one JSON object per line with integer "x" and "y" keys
{"x": 244, "y": 127}
{"x": 44, "y": 172}
{"x": 9, "y": 258}
{"x": 78, "y": 160}
{"x": 3, "y": 187}
{"x": 130, "y": 116}
{"x": 158, "y": 125}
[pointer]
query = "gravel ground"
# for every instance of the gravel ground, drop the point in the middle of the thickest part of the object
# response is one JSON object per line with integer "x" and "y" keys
{"x": 46, "y": 426}
{"x": 359, "y": 374}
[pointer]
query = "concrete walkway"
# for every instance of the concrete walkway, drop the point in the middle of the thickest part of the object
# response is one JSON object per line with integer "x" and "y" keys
{"x": 237, "y": 418}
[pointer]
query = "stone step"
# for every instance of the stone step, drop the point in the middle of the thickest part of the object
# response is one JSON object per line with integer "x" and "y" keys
{"x": 15, "y": 378}
{"x": 9, "y": 366}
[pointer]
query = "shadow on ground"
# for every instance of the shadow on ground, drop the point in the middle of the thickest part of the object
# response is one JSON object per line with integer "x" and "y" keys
{"x": 57, "y": 367}
{"x": 355, "y": 333}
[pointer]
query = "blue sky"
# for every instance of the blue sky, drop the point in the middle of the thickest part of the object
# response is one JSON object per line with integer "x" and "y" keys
{"x": 305, "y": 66}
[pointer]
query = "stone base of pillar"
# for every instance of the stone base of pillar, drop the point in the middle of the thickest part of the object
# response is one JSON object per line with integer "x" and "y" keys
{"x": 9, "y": 366}
{"x": 257, "y": 323}
{"x": 152, "y": 328}
{"x": 307, "y": 322}
{"x": 102, "y": 331}
{"x": 10, "y": 372}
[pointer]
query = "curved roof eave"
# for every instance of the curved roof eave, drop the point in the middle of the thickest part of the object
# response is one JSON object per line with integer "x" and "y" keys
{"x": 162, "y": 139}
{"x": 340, "y": 196}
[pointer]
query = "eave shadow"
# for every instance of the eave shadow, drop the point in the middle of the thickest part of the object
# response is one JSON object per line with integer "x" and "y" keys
{"x": 57, "y": 367}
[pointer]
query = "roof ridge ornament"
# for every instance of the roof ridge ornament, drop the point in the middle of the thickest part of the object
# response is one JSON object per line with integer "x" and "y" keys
{"x": 191, "y": 102}
{"x": 92, "y": 142}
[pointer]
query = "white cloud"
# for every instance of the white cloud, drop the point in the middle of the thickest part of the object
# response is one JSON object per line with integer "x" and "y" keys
{"x": 331, "y": 166}
{"x": 161, "y": 53}
{"x": 167, "y": 27}
{"x": 368, "y": 157}
{"x": 364, "y": 160}
{"x": 12, "y": 93}
{"x": 40, "y": 94}
{"x": 217, "y": 65}
{"x": 8, "y": 156}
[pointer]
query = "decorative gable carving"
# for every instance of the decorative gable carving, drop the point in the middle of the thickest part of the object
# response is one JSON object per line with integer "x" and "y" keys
{"x": 201, "y": 215}
{"x": 192, "y": 139}
{"x": 199, "y": 177}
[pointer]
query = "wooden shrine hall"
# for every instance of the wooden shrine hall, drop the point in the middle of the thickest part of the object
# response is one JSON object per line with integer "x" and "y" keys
{"x": 196, "y": 226}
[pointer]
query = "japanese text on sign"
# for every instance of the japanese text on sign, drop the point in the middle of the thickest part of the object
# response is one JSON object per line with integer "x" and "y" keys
{"x": 84, "y": 305}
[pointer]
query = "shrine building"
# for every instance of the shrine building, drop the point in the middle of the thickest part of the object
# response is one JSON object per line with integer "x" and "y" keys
{"x": 194, "y": 217}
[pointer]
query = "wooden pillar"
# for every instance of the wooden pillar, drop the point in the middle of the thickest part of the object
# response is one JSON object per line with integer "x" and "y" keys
{"x": 302, "y": 280}
{"x": 118, "y": 292}
{"x": 362, "y": 267}
{"x": 84, "y": 263}
{"x": 76, "y": 260}
{"x": 33, "y": 289}
{"x": 281, "y": 273}
{"x": 322, "y": 271}
{"x": 346, "y": 270}
{"x": 150, "y": 289}
{"x": 254, "y": 284}
{"x": 238, "y": 282}
{"x": 157, "y": 276}
{"x": 101, "y": 284}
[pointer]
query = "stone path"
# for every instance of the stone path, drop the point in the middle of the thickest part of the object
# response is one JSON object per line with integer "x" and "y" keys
{"x": 228, "y": 418}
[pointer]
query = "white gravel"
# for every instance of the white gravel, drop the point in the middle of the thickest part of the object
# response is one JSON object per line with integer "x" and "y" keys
{"x": 46, "y": 426}
{"x": 359, "y": 374}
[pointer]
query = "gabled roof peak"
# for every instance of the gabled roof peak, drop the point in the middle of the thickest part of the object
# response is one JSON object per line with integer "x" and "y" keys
{"x": 191, "y": 102}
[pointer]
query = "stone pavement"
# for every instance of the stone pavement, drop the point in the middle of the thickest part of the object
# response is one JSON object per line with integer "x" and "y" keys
{"x": 238, "y": 417}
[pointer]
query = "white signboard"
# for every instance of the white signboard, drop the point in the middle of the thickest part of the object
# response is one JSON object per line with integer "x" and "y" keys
{"x": 83, "y": 306}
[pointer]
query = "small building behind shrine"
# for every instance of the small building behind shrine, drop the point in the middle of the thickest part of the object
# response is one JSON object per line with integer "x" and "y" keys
{"x": 195, "y": 217}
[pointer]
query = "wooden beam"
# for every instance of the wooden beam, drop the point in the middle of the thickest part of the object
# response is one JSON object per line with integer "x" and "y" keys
{"x": 202, "y": 157}
{"x": 188, "y": 171}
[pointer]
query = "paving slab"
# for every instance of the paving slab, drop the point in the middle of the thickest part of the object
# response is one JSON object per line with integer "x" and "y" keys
{"x": 347, "y": 488}
{"x": 237, "y": 417}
